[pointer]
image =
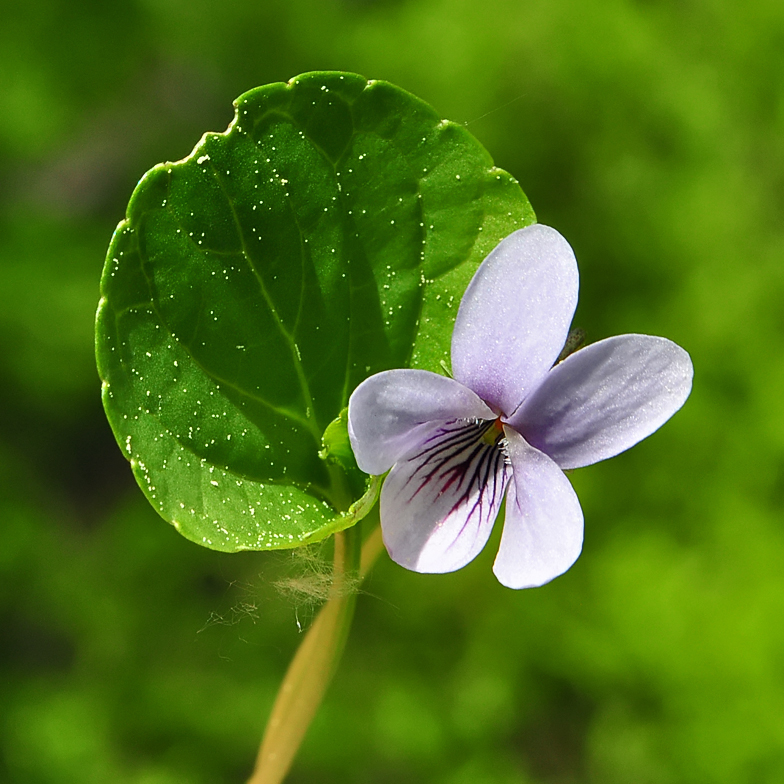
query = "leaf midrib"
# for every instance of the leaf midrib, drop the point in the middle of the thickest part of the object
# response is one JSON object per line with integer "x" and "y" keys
{"x": 288, "y": 338}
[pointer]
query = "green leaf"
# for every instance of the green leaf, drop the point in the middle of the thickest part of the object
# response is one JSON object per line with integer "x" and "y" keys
{"x": 328, "y": 234}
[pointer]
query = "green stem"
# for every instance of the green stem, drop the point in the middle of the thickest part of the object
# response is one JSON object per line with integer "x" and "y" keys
{"x": 316, "y": 659}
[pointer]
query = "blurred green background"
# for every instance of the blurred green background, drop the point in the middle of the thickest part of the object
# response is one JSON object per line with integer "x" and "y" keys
{"x": 651, "y": 134}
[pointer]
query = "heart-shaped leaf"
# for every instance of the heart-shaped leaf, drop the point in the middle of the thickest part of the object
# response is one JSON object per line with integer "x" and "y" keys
{"x": 328, "y": 234}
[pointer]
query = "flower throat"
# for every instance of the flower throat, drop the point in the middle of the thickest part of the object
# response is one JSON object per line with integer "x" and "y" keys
{"x": 493, "y": 433}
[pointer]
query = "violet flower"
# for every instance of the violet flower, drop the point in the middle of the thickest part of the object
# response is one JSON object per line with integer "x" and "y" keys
{"x": 510, "y": 421}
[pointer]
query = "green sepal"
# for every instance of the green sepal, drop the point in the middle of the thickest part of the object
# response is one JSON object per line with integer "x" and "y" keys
{"x": 336, "y": 445}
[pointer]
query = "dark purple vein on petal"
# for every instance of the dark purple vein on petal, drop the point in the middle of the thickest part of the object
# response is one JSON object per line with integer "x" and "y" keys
{"x": 458, "y": 458}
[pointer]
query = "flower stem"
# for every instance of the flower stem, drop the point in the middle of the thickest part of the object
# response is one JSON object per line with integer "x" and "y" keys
{"x": 316, "y": 659}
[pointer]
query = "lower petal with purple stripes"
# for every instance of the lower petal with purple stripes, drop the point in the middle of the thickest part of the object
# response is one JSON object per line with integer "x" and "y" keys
{"x": 438, "y": 504}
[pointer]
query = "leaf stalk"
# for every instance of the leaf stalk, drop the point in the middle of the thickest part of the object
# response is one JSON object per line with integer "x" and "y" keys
{"x": 316, "y": 659}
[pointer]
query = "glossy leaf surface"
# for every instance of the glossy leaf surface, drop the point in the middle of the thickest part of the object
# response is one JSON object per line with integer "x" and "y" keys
{"x": 328, "y": 234}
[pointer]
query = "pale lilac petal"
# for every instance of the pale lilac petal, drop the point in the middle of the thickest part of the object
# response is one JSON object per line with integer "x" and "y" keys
{"x": 439, "y": 504}
{"x": 605, "y": 398}
{"x": 543, "y": 530}
{"x": 389, "y": 412}
{"x": 515, "y": 316}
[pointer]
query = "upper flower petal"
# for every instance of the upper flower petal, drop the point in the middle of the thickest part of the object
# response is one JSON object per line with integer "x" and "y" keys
{"x": 389, "y": 412}
{"x": 543, "y": 529}
{"x": 438, "y": 505}
{"x": 605, "y": 398}
{"x": 515, "y": 315}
